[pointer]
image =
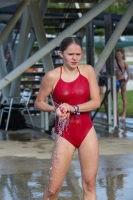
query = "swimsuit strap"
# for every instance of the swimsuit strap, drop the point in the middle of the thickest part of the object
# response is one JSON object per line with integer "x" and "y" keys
{"x": 60, "y": 71}
{"x": 78, "y": 70}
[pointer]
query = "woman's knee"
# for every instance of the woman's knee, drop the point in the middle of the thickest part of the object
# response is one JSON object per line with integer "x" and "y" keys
{"x": 89, "y": 185}
{"x": 53, "y": 191}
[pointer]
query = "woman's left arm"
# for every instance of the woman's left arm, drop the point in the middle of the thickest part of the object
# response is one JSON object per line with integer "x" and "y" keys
{"x": 127, "y": 71}
{"x": 94, "y": 101}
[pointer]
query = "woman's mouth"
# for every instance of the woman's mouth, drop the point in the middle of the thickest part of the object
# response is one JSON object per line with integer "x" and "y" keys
{"x": 74, "y": 63}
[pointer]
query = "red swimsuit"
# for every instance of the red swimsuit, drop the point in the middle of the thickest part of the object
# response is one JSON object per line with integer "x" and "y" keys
{"x": 73, "y": 93}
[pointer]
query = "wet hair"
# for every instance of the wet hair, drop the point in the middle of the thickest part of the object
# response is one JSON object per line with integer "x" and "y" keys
{"x": 68, "y": 41}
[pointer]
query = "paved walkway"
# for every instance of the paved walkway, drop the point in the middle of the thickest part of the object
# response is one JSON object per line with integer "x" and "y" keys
{"x": 130, "y": 85}
{"x": 25, "y": 157}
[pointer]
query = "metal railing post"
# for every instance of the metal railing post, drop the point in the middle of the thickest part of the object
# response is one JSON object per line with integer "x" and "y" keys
{"x": 13, "y": 21}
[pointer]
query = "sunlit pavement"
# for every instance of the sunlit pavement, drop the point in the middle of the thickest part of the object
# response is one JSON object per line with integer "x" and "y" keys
{"x": 130, "y": 85}
{"x": 24, "y": 167}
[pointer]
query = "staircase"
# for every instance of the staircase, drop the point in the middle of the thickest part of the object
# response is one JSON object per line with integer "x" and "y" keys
{"x": 55, "y": 21}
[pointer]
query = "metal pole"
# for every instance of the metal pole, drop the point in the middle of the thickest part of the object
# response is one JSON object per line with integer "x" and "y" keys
{"x": 53, "y": 43}
{"x": 43, "y": 7}
{"x": 3, "y": 71}
{"x": 21, "y": 49}
{"x": 109, "y": 63}
{"x": 109, "y": 104}
{"x": 108, "y": 33}
{"x": 114, "y": 103}
{"x": 7, "y": 41}
{"x": 13, "y": 21}
{"x": 90, "y": 44}
{"x": 11, "y": 53}
{"x": 40, "y": 33}
{"x": 41, "y": 38}
{"x": 7, "y": 3}
{"x": 114, "y": 38}
{"x": 30, "y": 44}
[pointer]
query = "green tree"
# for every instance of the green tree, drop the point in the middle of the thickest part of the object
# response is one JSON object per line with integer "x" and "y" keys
{"x": 118, "y": 7}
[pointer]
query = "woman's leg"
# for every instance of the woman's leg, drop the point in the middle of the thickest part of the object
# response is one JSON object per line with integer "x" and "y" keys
{"x": 117, "y": 93}
{"x": 124, "y": 99}
{"x": 89, "y": 155}
{"x": 61, "y": 157}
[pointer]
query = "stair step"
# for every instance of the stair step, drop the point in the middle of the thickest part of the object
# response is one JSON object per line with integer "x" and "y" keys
{"x": 33, "y": 88}
{"x": 33, "y": 74}
{"x": 57, "y": 65}
{"x": 53, "y": 52}
{"x": 57, "y": 30}
{"x": 38, "y": 65}
{"x": 53, "y": 21}
{"x": 67, "y": 10}
{"x": 30, "y": 82}
{"x": 74, "y": 1}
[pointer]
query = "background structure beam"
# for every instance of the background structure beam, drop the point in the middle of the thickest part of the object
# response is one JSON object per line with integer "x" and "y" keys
{"x": 13, "y": 21}
{"x": 114, "y": 38}
{"x": 52, "y": 44}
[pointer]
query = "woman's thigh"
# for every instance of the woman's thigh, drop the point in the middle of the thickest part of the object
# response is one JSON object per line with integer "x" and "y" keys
{"x": 123, "y": 89}
{"x": 61, "y": 157}
{"x": 89, "y": 156}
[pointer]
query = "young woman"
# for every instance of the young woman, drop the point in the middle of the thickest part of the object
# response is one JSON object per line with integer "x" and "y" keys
{"x": 121, "y": 67}
{"x": 75, "y": 90}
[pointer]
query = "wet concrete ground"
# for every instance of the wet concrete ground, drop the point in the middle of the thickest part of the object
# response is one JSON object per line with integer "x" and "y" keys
{"x": 24, "y": 166}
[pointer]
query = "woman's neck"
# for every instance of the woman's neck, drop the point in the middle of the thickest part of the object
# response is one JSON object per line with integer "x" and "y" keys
{"x": 119, "y": 60}
{"x": 69, "y": 71}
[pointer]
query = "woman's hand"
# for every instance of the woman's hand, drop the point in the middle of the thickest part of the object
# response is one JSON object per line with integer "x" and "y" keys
{"x": 64, "y": 110}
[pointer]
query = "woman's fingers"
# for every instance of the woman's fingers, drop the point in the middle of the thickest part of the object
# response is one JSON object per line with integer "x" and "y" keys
{"x": 68, "y": 107}
{"x": 63, "y": 112}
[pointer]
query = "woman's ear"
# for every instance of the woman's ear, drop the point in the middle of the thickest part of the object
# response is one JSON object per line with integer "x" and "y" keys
{"x": 60, "y": 53}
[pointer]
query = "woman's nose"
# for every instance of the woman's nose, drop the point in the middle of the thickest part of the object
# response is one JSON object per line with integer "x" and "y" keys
{"x": 74, "y": 57}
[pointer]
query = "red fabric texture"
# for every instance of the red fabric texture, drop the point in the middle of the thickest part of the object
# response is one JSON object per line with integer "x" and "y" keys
{"x": 73, "y": 93}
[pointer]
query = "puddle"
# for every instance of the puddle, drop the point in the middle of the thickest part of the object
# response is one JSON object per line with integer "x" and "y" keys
{"x": 22, "y": 136}
{"x": 26, "y": 178}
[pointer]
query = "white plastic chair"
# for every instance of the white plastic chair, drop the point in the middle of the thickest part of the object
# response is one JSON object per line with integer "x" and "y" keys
{"x": 17, "y": 103}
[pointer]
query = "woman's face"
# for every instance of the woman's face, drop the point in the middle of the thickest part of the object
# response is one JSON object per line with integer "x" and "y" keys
{"x": 72, "y": 55}
{"x": 119, "y": 55}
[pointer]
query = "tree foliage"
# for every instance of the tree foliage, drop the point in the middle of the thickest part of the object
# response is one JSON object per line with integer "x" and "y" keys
{"x": 57, "y": 5}
{"x": 99, "y": 31}
{"x": 118, "y": 7}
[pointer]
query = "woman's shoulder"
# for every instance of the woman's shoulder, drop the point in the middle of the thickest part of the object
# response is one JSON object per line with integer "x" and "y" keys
{"x": 53, "y": 74}
{"x": 86, "y": 69}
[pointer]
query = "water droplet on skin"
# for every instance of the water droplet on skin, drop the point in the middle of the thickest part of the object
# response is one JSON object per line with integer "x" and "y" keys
{"x": 62, "y": 124}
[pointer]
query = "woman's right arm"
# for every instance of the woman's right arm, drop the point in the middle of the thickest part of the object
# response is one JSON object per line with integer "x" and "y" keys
{"x": 45, "y": 90}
